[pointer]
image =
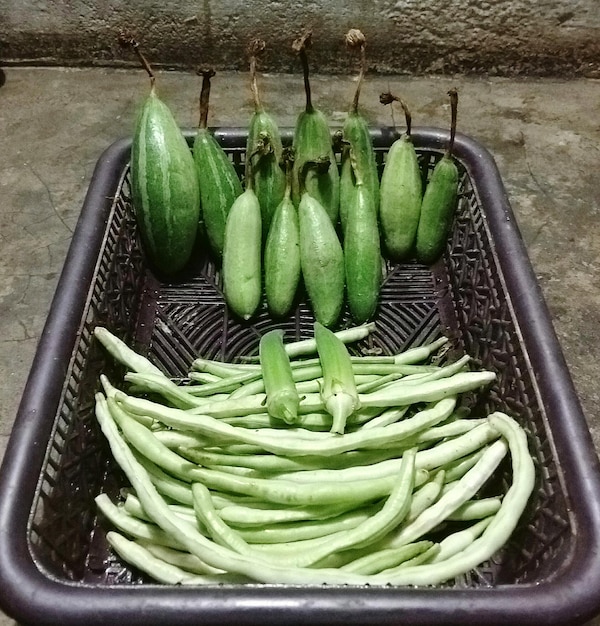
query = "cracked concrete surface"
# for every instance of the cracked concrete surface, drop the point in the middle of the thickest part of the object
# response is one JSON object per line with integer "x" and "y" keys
{"x": 55, "y": 123}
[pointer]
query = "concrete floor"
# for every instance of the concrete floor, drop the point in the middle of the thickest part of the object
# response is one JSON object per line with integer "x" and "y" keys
{"x": 55, "y": 123}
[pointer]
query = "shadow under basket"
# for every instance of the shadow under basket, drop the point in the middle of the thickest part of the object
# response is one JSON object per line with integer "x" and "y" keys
{"x": 55, "y": 564}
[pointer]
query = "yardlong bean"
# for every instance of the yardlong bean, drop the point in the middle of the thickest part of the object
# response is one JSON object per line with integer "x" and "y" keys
{"x": 222, "y": 492}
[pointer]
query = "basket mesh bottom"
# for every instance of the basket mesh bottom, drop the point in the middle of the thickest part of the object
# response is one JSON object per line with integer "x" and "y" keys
{"x": 462, "y": 297}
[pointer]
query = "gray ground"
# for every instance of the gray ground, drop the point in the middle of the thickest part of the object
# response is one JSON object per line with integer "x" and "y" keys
{"x": 55, "y": 123}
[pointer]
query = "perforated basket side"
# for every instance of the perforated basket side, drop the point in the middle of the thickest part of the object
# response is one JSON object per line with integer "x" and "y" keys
{"x": 463, "y": 296}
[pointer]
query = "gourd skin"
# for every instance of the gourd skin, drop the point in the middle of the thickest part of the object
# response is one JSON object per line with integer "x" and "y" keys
{"x": 322, "y": 261}
{"x": 282, "y": 259}
{"x": 312, "y": 143}
{"x": 219, "y": 186}
{"x": 362, "y": 256}
{"x": 437, "y": 211}
{"x": 356, "y": 133}
{"x": 242, "y": 271}
{"x": 268, "y": 179}
{"x": 164, "y": 187}
{"x": 400, "y": 199}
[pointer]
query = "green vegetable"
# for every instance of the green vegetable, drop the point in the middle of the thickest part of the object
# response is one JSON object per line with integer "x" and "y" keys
{"x": 499, "y": 529}
{"x": 362, "y": 254}
{"x": 321, "y": 260}
{"x": 401, "y": 192}
{"x": 212, "y": 503}
{"x": 264, "y": 149}
{"x": 282, "y": 251}
{"x": 218, "y": 181}
{"x": 312, "y": 143}
{"x": 242, "y": 255}
{"x": 164, "y": 189}
{"x": 282, "y": 396}
{"x": 439, "y": 201}
{"x": 339, "y": 387}
{"x": 357, "y": 136}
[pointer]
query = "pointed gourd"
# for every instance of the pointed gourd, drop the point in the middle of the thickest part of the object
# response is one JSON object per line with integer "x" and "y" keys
{"x": 362, "y": 251}
{"x": 356, "y": 134}
{"x": 282, "y": 252}
{"x": 322, "y": 260}
{"x": 439, "y": 200}
{"x": 313, "y": 143}
{"x": 242, "y": 251}
{"x": 164, "y": 188}
{"x": 401, "y": 194}
{"x": 218, "y": 181}
{"x": 264, "y": 149}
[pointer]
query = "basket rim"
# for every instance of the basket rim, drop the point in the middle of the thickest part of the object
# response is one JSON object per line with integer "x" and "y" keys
{"x": 32, "y": 597}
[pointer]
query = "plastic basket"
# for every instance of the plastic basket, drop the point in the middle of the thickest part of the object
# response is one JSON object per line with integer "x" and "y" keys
{"x": 55, "y": 565}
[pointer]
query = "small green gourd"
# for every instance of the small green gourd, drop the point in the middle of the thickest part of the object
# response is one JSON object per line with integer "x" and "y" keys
{"x": 355, "y": 132}
{"x": 362, "y": 252}
{"x": 242, "y": 255}
{"x": 217, "y": 179}
{"x": 439, "y": 200}
{"x": 312, "y": 142}
{"x": 263, "y": 149}
{"x": 164, "y": 188}
{"x": 401, "y": 192}
{"x": 282, "y": 250}
{"x": 321, "y": 259}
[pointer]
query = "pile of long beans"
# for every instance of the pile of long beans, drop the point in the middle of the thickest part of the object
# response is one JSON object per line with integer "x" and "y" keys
{"x": 226, "y": 488}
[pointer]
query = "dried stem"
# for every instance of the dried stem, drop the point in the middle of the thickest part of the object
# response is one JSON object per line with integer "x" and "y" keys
{"x": 300, "y": 46}
{"x": 287, "y": 164}
{"x": 356, "y": 40}
{"x": 255, "y": 48}
{"x": 127, "y": 40}
{"x": 453, "y": 93}
{"x": 388, "y": 97}
{"x": 206, "y": 74}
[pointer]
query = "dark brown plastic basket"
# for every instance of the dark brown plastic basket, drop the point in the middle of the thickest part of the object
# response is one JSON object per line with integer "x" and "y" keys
{"x": 55, "y": 566}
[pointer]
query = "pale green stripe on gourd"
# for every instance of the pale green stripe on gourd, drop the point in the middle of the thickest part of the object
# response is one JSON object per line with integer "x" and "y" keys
{"x": 164, "y": 187}
{"x": 264, "y": 149}
{"x": 217, "y": 179}
{"x": 356, "y": 134}
{"x": 313, "y": 143}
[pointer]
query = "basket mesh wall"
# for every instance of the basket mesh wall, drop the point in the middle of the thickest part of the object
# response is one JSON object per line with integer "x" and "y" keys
{"x": 462, "y": 296}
